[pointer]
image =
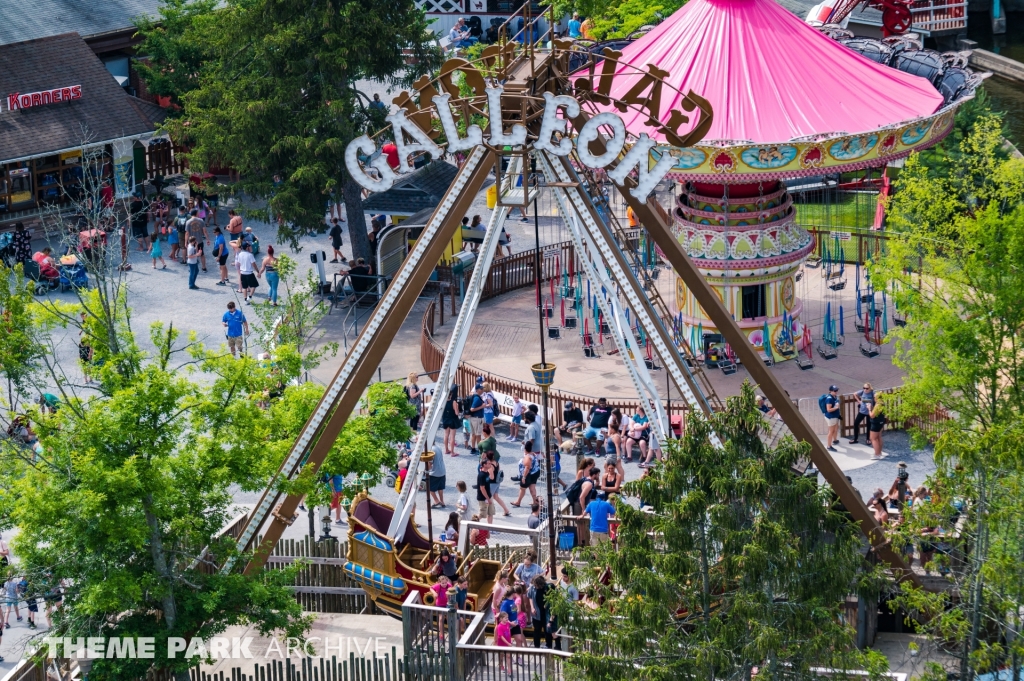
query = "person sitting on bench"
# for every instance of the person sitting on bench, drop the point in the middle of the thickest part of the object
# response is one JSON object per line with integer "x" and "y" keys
{"x": 598, "y": 415}
{"x": 360, "y": 277}
{"x": 572, "y": 419}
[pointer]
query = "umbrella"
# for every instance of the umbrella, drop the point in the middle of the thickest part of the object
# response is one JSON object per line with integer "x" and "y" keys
{"x": 842, "y": 330}
{"x": 807, "y": 343}
{"x": 766, "y": 342}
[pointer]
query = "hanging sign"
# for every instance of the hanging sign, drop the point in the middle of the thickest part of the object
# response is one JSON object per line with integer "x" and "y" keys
{"x": 553, "y": 137}
{"x": 842, "y": 236}
{"x": 17, "y": 100}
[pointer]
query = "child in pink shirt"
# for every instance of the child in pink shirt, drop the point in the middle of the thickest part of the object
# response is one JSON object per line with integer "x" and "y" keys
{"x": 440, "y": 592}
{"x": 503, "y": 639}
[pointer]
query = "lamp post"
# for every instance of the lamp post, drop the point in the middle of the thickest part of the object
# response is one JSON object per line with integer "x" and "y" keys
{"x": 543, "y": 373}
{"x": 544, "y": 376}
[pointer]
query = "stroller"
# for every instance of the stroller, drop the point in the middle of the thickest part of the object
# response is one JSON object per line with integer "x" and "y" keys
{"x": 73, "y": 277}
{"x": 42, "y": 285}
{"x": 7, "y": 249}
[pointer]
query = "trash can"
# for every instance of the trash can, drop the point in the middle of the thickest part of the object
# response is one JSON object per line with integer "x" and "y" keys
{"x": 492, "y": 196}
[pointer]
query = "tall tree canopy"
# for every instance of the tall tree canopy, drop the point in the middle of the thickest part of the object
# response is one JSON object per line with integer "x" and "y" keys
{"x": 953, "y": 268}
{"x": 269, "y": 88}
{"x": 742, "y": 564}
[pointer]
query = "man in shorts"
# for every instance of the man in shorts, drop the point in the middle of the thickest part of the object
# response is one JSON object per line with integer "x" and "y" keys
{"x": 437, "y": 478}
{"x": 196, "y": 227}
{"x": 335, "y": 235}
{"x": 178, "y": 247}
{"x": 234, "y": 225}
{"x": 236, "y": 324}
{"x": 476, "y": 418}
{"x": 483, "y": 491}
{"x": 599, "y": 511}
{"x": 832, "y": 417}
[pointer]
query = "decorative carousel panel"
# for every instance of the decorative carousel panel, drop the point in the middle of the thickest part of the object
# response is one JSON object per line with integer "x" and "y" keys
{"x": 747, "y": 163}
{"x": 764, "y": 241}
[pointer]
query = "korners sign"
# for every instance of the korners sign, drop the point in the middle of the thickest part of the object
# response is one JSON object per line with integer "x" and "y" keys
{"x": 17, "y": 100}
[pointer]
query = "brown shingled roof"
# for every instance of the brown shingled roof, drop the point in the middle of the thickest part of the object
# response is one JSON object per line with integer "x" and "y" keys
{"x": 105, "y": 111}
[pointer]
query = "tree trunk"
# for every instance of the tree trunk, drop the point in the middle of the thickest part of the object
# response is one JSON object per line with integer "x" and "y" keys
{"x": 156, "y": 550}
{"x": 358, "y": 238}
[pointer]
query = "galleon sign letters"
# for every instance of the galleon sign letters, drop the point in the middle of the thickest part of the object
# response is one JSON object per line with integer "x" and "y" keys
{"x": 552, "y": 138}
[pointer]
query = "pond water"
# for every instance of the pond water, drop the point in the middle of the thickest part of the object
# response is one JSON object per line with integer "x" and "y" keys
{"x": 1007, "y": 95}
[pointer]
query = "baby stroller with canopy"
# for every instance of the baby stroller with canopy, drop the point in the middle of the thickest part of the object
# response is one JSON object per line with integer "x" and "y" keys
{"x": 73, "y": 276}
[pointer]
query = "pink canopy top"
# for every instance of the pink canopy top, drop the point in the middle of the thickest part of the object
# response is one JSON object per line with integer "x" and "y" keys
{"x": 769, "y": 76}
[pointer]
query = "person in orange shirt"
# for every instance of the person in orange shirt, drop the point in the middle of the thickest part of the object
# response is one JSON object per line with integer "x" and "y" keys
{"x": 631, "y": 216}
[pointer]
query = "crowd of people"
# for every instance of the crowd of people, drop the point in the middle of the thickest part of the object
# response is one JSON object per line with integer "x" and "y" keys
{"x": 18, "y": 590}
{"x": 466, "y": 32}
{"x": 869, "y": 411}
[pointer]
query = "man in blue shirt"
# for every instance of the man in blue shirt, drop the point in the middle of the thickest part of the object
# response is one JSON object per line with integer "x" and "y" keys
{"x": 476, "y": 418}
{"x": 599, "y": 510}
{"x": 832, "y": 417}
{"x": 236, "y": 324}
{"x": 574, "y": 27}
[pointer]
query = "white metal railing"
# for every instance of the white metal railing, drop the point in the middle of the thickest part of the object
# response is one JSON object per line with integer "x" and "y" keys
{"x": 939, "y": 15}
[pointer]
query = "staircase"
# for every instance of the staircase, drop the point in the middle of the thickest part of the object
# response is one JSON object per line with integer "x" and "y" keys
{"x": 651, "y": 289}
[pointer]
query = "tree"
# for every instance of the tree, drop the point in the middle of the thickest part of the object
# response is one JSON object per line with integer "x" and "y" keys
{"x": 368, "y": 442}
{"x": 132, "y": 484}
{"x": 296, "y": 322}
{"x": 618, "y": 18}
{"x": 952, "y": 267}
{"x": 20, "y": 351}
{"x": 744, "y": 563}
{"x": 122, "y": 501}
{"x": 276, "y": 97}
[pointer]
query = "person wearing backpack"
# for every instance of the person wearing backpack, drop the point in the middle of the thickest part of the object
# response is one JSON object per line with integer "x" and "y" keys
{"x": 583, "y": 491}
{"x": 829, "y": 405}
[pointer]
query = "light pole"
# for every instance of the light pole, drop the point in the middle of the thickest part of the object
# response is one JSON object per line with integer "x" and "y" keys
{"x": 544, "y": 376}
{"x": 543, "y": 373}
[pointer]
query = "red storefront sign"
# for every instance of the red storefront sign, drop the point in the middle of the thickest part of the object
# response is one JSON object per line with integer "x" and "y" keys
{"x": 18, "y": 100}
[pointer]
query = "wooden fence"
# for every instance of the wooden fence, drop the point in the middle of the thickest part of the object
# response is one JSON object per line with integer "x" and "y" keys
{"x": 928, "y": 425}
{"x": 860, "y": 243}
{"x": 388, "y": 668}
{"x": 517, "y": 271}
{"x": 165, "y": 158}
{"x": 321, "y": 585}
{"x": 432, "y": 355}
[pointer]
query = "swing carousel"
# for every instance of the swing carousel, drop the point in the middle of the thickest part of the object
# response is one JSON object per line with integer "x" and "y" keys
{"x": 798, "y": 103}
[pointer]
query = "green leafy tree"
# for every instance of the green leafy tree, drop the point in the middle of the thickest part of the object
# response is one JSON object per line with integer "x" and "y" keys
{"x": 132, "y": 486}
{"x": 368, "y": 442}
{"x": 943, "y": 159}
{"x": 20, "y": 349}
{"x": 618, "y": 18}
{"x": 123, "y": 501}
{"x": 743, "y": 563}
{"x": 952, "y": 266}
{"x": 175, "y": 52}
{"x": 276, "y": 96}
{"x": 296, "y": 321}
